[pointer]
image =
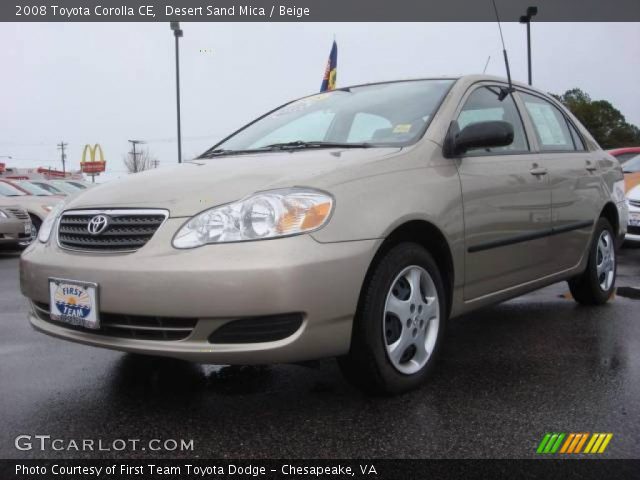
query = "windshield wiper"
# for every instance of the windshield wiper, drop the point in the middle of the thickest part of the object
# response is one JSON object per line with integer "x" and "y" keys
{"x": 295, "y": 145}
{"x": 219, "y": 152}
{"x": 300, "y": 144}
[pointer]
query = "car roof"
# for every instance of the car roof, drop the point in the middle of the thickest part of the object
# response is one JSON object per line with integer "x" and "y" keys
{"x": 460, "y": 79}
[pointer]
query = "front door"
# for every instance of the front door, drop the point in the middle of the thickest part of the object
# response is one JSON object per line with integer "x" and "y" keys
{"x": 507, "y": 202}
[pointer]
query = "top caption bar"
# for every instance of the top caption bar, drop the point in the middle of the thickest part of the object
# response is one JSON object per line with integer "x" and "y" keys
{"x": 315, "y": 10}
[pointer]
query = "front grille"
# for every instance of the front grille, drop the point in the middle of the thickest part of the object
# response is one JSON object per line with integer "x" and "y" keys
{"x": 18, "y": 213}
{"x": 634, "y": 203}
{"x": 258, "y": 329}
{"x": 126, "y": 230}
{"x": 137, "y": 327}
{"x": 633, "y": 230}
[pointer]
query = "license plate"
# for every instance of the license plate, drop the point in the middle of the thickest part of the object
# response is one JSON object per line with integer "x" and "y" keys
{"x": 74, "y": 302}
{"x": 27, "y": 228}
{"x": 634, "y": 219}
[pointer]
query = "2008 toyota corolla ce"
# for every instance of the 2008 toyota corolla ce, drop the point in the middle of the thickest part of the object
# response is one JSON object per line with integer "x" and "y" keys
{"x": 352, "y": 223}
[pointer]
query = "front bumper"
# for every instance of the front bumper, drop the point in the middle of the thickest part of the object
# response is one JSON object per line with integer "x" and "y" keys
{"x": 12, "y": 231}
{"x": 214, "y": 284}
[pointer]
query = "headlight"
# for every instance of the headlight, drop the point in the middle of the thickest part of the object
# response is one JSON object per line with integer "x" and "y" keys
{"x": 271, "y": 214}
{"x": 3, "y": 215}
{"x": 49, "y": 222}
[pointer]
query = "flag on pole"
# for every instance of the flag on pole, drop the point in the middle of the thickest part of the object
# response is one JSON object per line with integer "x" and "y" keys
{"x": 331, "y": 72}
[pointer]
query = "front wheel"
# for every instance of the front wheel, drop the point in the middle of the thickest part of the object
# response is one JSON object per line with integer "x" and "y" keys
{"x": 597, "y": 283}
{"x": 399, "y": 325}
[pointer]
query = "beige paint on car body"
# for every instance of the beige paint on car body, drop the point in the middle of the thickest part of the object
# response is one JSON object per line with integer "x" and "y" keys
{"x": 507, "y": 231}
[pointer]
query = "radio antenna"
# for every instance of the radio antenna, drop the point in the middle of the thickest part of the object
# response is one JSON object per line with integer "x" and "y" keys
{"x": 504, "y": 91}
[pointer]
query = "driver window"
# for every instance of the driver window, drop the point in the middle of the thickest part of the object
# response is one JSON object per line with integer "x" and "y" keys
{"x": 483, "y": 105}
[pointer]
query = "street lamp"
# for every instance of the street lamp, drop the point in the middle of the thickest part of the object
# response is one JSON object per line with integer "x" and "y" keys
{"x": 531, "y": 12}
{"x": 177, "y": 33}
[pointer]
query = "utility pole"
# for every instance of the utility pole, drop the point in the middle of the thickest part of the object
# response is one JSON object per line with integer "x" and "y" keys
{"x": 134, "y": 153}
{"x": 63, "y": 156}
{"x": 526, "y": 19}
{"x": 177, "y": 33}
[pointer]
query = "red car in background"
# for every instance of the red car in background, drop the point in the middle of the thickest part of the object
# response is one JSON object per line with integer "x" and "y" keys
{"x": 628, "y": 158}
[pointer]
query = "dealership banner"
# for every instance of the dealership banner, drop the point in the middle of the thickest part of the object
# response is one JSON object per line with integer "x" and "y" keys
{"x": 314, "y": 10}
{"x": 186, "y": 469}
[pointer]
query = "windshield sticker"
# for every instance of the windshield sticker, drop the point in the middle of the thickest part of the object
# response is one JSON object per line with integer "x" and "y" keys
{"x": 402, "y": 128}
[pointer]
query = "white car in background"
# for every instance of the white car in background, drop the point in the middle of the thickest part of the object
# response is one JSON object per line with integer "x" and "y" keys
{"x": 633, "y": 226}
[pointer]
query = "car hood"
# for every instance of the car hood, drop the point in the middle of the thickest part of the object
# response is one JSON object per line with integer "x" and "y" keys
{"x": 200, "y": 184}
{"x": 31, "y": 203}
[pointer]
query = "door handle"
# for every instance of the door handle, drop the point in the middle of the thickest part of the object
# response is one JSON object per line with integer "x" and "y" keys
{"x": 590, "y": 167}
{"x": 537, "y": 171}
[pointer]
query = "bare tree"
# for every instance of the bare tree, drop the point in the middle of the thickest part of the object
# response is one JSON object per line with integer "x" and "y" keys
{"x": 140, "y": 161}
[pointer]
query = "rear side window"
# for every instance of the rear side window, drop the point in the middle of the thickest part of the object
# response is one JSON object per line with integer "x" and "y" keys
{"x": 549, "y": 123}
{"x": 577, "y": 139}
{"x": 483, "y": 105}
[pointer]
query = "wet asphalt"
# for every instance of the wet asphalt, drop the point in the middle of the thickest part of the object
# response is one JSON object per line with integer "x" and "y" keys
{"x": 508, "y": 374}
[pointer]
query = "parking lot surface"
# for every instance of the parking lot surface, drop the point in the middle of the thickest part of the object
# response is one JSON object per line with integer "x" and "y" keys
{"x": 507, "y": 375}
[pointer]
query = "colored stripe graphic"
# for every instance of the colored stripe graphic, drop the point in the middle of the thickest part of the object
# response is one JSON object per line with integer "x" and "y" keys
{"x": 573, "y": 443}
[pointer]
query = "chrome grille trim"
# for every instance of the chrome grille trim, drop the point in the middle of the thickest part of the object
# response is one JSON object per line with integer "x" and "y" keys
{"x": 17, "y": 212}
{"x": 130, "y": 229}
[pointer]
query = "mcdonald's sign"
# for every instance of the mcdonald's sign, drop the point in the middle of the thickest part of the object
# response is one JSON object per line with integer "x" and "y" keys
{"x": 92, "y": 166}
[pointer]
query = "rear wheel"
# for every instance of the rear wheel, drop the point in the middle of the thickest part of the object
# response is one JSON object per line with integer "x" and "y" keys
{"x": 400, "y": 323}
{"x": 597, "y": 283}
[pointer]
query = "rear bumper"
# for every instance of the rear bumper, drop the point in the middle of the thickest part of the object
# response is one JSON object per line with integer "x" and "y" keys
{"x": 214, "y": 284}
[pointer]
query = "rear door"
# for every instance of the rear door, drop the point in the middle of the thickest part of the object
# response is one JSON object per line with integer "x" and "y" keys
{"x": 507, "y": 202}
{"x": 573, "y": 179}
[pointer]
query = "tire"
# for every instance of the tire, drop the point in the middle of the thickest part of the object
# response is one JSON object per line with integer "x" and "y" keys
{"x": 597, "y": 283}
{"x": 386, "y": 354}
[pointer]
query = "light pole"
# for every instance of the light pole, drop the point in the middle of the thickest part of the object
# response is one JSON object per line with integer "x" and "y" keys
{"x": 531, "y": 12}
{"x": 177, "y": 33}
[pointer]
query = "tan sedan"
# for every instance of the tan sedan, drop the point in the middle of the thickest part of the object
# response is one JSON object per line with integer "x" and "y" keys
{"x": 352, "y": 224}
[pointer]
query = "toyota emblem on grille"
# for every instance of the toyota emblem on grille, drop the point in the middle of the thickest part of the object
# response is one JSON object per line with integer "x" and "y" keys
{"x": 98, "y": 224}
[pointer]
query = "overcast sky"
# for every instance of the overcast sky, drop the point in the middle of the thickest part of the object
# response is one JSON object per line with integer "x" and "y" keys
{"x": 110, "y": 82}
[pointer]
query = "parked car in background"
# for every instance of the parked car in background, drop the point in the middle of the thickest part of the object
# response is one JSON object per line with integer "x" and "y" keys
{"x": 69, "y": 187}
{"x": 633, "y": 227}
{"x": 352, "y": 223}
{"x": 48, "y": 186}
{"x": 79, "y": 183}
{"x": 32, "y": 188}
{"x": 631, "y": 170}
{"x": 15, "y": 226}
{"x": 38, "y": 207}
{"x": 624, "y": 154}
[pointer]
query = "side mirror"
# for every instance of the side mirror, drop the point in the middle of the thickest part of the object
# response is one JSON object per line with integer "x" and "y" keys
{"x": 477, "y": 135}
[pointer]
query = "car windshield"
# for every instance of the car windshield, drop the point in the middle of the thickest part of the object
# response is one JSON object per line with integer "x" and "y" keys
{"x": 386, "y": 114}
{"x": 34, "y": 189}
{"x": 49, "y": 188}
{"x": 632, "y": 165}
{"x": 77, "y": 184}
{"x": 65, "y": 187}
{"x": 9, "y": 190}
